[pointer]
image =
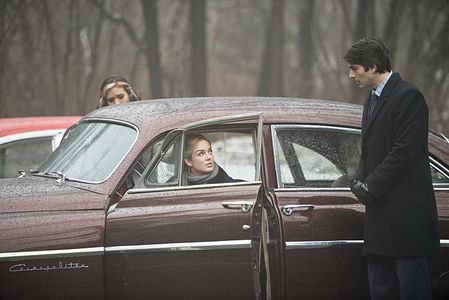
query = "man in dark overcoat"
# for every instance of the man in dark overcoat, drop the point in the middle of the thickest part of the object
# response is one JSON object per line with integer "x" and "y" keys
{"x": 393, "y": 180}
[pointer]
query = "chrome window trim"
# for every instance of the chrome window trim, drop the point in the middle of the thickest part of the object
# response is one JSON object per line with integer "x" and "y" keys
{"x": 439, "y": 167}
{"x": 180, "y": 247}
{"x": 49, "y": 254}
{"x": 191, "y": 187}
{"x": 295, "y": 245}
{"x": 259, "y": 140}
{"x": 444, "y": 137}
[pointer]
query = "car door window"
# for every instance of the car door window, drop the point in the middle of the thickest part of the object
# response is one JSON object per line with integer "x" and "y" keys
{"x": 316, "y": 156}
{"x": 323, "y": 157}
{"x": 166, "y": 171}
{"x": 239, "y": 146}
{"x": 234, "y": 150}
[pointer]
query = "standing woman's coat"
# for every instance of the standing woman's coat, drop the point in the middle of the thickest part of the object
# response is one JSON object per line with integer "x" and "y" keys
{"x": 402, "y": 219}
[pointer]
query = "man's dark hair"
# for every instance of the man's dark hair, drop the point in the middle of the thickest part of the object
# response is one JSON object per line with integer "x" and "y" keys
{"x": 369, "y": 53}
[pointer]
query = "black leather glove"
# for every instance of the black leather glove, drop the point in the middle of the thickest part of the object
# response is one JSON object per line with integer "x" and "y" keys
{"x": 361, "y": 191}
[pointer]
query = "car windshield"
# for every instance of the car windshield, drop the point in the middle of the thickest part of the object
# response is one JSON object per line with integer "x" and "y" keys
{"x": 90, "y": 151}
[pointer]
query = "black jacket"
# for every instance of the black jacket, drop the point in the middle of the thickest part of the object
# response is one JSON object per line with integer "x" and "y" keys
{"x": 402, "y": 219}
{"x": 222, "y": 177}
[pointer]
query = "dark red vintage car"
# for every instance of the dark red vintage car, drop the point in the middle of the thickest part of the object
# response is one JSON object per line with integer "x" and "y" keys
{"x": 109, "y": 214}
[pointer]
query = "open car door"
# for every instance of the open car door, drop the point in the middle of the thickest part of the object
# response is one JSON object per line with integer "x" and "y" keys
{"x": 308, "y": 226}
{"x": 169, "y": 240}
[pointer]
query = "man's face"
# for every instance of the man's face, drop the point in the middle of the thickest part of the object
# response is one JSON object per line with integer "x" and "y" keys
{"x": 361, "y": 77}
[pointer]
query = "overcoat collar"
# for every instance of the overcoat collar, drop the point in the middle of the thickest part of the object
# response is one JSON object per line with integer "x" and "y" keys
{"x": 391, "y": 83}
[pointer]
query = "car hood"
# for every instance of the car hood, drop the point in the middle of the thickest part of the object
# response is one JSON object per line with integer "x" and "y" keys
{"x": 31, "y": 194}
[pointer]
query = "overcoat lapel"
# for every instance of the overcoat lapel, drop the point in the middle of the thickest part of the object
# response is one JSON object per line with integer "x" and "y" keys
{"x": 394, "y": 79}
{"x": 365, "y": 114}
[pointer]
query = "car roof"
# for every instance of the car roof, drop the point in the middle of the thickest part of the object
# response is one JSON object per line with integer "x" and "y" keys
{"x": 172, "y": 112}
{"x": 9, "y": 126}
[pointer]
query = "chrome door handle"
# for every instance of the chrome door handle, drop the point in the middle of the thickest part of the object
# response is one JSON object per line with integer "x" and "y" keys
{"x": 245, "y": 206}
{"x": 289, "y": 209}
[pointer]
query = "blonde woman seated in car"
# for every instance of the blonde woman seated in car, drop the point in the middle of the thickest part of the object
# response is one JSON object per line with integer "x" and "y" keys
{"x": 201, "y": 166}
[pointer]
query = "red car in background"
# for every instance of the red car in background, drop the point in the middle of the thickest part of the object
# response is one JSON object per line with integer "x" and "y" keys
{"x": 27, "y": 141}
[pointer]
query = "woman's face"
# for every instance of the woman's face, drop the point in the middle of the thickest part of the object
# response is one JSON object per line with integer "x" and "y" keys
{"x": 117, "y": 95}
{"x": 202, "y": 160}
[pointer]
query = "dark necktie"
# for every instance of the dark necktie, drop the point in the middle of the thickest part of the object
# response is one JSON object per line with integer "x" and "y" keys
{"x": 372, "y": 103}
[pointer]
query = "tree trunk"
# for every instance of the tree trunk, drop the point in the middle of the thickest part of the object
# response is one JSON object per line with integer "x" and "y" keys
{"x": 198, "y": 54}
{"x": 361, "y": 17}
{"x": 271, "y": 77}
{"x": 152, "y": 43}
{"x": 392, "y": 25}
{"x": 66, "y": 58}
{"x": 95, "y": 51}
{"x": 413, "y": 52}
{"x": 48, "y": 17}
{"x": 306, "y": 48}
{"x": 3, "y": 55}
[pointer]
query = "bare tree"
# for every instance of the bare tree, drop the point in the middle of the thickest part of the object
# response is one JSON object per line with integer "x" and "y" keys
{"x": 390, "y": 36}
{"x": 198, "y": 62}
{"x": 361, "y": 16}
{"x": 94, "y": 57}
{"x": 175, "y": 59}
{"x": 66, "y": 56}
{"x": 434, "y": 70}
{"x": 305, "y": 46}
{"x": 3, "y": 32}
{"x": 271, "y": 79}
{"x": 47, "y": 16}
{"x": 152, "y": 45}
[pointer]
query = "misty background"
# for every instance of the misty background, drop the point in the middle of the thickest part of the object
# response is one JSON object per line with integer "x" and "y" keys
{"x": 54, "y": 54}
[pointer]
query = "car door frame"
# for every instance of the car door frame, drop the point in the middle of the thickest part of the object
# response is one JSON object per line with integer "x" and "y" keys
{"x": 273, "y": 238}
{"x": 118, "y": 256}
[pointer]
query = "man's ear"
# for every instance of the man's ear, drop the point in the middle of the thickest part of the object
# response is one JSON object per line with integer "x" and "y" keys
{"x": 188, "y": 161}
